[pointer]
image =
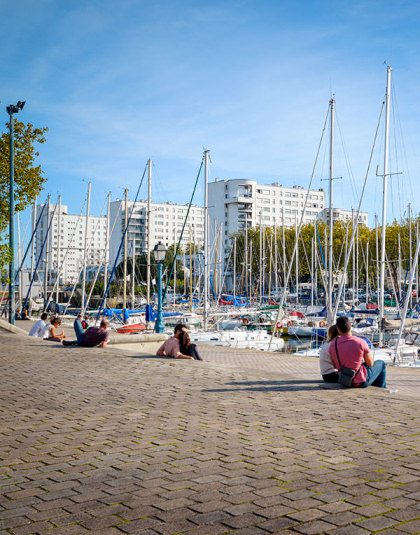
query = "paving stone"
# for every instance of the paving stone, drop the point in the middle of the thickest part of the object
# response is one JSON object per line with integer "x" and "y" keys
{"x": 377, "y": 523}
{"x": 410, "y": 527}
{"x": 350, "y": 530}
{"x": 100, "y": 441}
{"x": 410, "y": 513}
{"x": 278, "y": 524}
{"x": 315, "y": 527}
{"x": 343, "y": 518}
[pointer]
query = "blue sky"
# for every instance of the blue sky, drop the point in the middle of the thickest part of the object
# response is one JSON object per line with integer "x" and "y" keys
{"x": 117, "y": 83}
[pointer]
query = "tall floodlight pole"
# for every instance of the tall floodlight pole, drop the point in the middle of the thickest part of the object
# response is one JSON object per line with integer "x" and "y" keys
{"x": 384, "y": 199}
{"x": 11, "y": 110}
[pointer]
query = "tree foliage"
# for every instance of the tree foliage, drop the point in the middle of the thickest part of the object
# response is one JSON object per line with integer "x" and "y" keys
{"x": 364, "y": 256}
{"x": 28, "y": 177}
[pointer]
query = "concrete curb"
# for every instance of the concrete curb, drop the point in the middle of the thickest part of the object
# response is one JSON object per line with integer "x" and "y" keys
{"x": 6, "y": 326}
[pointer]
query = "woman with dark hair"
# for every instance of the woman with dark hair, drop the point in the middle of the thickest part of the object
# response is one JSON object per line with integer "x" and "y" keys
{"x": 187, "y": 348}
{"x": 328, "y": 370}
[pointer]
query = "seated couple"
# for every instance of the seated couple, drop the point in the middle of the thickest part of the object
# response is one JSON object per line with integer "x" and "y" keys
{"x": 179, "y": 345}
{"x": 344, "y": 350}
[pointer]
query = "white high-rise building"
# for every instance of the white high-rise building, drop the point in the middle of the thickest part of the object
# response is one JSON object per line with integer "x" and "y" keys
{"x": 64, "y": 248}
{"x": 166, "y": 222}
{"x": 340, "y": 214}
{"x": 236, "y": 203}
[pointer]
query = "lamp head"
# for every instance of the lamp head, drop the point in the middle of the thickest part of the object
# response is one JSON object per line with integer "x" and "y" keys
{"x": 15, "y": 108}
{"x": 159, "y": 251}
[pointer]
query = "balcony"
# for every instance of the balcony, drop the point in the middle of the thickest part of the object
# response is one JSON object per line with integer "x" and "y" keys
{"x": 243, "y": 198}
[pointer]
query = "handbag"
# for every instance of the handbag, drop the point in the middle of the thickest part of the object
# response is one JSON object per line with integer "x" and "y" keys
{"x": 345, "y": 374}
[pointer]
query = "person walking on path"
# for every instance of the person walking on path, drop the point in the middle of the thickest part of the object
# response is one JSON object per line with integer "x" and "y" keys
{"x": 353, "y": 352}
{"x": 328, "y": 370}
{"x": 38, "y": 328}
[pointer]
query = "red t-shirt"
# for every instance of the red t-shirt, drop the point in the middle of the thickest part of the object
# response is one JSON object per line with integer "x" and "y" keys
{"x": 351, "y": 350}
{"x": 94, "y": 336}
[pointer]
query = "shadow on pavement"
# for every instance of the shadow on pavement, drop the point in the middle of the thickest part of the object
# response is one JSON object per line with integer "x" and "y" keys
{"x": 247, "y": 383}
{"x": 269, "y": 386}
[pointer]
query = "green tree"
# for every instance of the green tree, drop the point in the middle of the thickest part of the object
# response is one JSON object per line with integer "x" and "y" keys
{"x": 29, "y": 177}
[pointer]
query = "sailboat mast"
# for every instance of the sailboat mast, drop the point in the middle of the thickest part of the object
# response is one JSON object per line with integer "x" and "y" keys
{"x": 58, "y": 264}
{"x": 206, "y": 237}
{"x": 191, "y": 272}
{"x": 330, "y": 251}
{"x": 133, "y": 272}
{"x": 234, "y": 269}
{"x": 410, "y": 242}
{"x": 125, "y": 250}
{"x": 284, "y": 252}
{"x": 261, "y": 260}
{"x": 312, "y": 274}
{"x": 384, "y": 198}
{"x": 32, "y": 253}
{"x": 297, "y": 260}
{"x": 174, "y": 289}
{"x": 46, "y": 254}
{"x": 19, "y": 259}
{"x": 85, "y": 248}
{"x": 367, "y": 273}
{"x": 148, "y": 244}
{"x": 108, "y": 215}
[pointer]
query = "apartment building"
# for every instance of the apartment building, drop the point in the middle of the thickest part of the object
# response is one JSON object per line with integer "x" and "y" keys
{"x": 63, "y": 252}
{"x": 236, "y": 203}
{"x": 340, "y": 214}
{"x": 166, "y": 223}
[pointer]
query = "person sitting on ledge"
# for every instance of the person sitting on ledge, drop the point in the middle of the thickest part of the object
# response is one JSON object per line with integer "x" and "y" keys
{"x": 96, "y": 336}
{"x": 328, "y": 370}
{"x": 170, "y": 347}
{"x": 354, "y": 353}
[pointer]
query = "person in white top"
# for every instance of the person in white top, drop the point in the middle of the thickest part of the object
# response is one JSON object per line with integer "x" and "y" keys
{"x": 50, "y": 332}
{"x": 328, "y": 370}
{"x": 38, "y": 328}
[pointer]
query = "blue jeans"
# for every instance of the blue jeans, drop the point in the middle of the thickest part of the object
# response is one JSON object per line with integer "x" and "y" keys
{"x": 78, "y": 329}
{"x": 376, "y": 375}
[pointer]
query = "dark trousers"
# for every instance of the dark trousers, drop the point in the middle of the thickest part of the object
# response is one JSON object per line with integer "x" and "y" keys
{"x": 330, "y": 377}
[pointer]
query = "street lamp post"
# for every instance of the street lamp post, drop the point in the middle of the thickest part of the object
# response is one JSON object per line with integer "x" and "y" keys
{"x": 11, "y": 110}
{"x": 159, "y": 252}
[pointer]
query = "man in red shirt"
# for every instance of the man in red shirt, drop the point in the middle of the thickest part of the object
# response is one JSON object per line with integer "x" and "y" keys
{"x": 354, "y": 353}
{"x": 96, "y": 336}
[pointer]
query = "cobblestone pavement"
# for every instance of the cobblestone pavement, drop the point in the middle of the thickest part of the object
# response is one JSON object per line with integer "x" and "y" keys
{"x": 109, "y": 442}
